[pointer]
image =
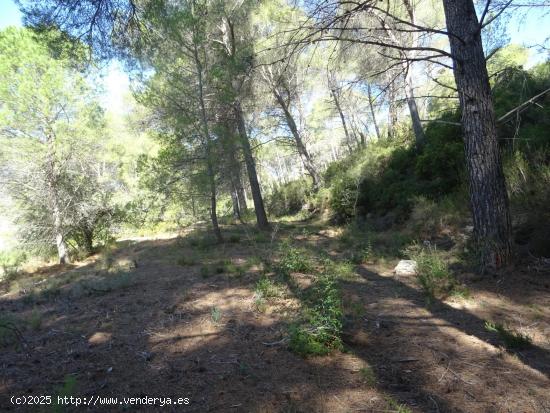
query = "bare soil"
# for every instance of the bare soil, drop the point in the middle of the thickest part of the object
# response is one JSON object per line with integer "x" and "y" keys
{"x": 165, "y": 329}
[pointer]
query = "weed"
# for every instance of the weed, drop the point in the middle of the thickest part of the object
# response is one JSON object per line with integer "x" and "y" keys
{"x": 433, "y": 272}
{"x": 368, "y": 376}
{"x": 397, "y": 407}
{"x": 66, "y": 390}
{"x": 343, "y": 270}
{"x": 9, "y": 330}
{"x": 205, "y": 271}
{"x": 320, "y": 333}
{"x": 260, "y": 304}
{"x": 266, "y": 288}
{"x": 512, "y": 339}
{"x": 293, "y": 260}
{"x": 216, "y": 314}
{"x": 35, "y": 320}
{"x": 187, "y": 260}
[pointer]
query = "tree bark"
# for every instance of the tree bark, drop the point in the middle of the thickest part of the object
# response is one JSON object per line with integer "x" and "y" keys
{"x": 372, "y": 113}
{"x": 302, "y": 150}
{"x": 342, "y": 118}
{"x": 208, "y": 147}
{"x": 488, "y": 197}
{"x": 259, "y": 209}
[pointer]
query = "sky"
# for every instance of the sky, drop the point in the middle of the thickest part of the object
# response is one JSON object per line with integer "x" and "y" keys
{"x": 532, "y": 30}
{"x": 115, "y": 82}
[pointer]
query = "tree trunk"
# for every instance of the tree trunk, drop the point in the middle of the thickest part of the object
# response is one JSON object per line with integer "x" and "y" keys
{"x": 343, "y": 119}
{"x": 62, "y": 251}
{"x": 392, "y": 110}
{"x": 259, "y": 209}
{"x": 488, "y": 197}
{"x": 302, "y": 150}
{"x": 420, "y": 137}
{"x": 373, "y": 115}
{"x": 208, "y": 147}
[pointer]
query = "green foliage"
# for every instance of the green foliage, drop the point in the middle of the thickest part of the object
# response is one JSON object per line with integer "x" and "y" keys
{"x": 293, "y": 260}
{"x": 10, "y": 262}
{"x": 512, "y": 339}
{"x": 266, "y": 288}
{"x": 368, "y": 376}
{"x": 216, "y": 314}
{"x": 68, "y": 389}
{"x": 319, "y": 333}
{"x": 289, "y": 198}
{"x": 432, "y": 271}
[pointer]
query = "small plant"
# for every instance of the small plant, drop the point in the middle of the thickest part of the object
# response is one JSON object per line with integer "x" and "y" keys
{"x": 35, "y": 320}
{"x": 266, "y": 288}
{"x": 216, "y": 314}
{"x": 293, "y": 260}
{"x": 433, "y": 272}
{"x": 397, "y": 407}
{"x": 9, "y": 330}
{"x": 343, "y": 270}
{"x": 368, "y": 376}
{"x": 512, "y": 339}
{"x": 320, "y": 332}
{"x": 187, "y": 260}
{"x": 66, "y": 390}
{"x": 205, "y": 271}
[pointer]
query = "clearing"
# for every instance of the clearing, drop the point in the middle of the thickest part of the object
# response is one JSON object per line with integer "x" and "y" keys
{"x": 182, "y": 317}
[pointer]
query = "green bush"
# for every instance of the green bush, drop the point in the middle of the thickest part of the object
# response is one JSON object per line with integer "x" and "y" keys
{"x": 289, "y": 198}
{"x": 10, "y": 262}
{"x": 432, "y": 271}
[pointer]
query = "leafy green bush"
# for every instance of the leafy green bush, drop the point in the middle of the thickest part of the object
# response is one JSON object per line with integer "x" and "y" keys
{"x": 432, "y": 271}
{"x": 10, "y": 262}
{"x": 289, "y": 198}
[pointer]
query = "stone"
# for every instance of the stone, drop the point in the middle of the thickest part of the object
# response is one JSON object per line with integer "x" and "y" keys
{"x": 405, "y": 267}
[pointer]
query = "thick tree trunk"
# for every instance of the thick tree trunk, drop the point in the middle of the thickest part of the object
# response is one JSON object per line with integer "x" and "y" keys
{"x": 488, "y": 197}
{"x": 259, "y": 209}
{"x": 372, "y": 113}
{"x": 302, "y": 150}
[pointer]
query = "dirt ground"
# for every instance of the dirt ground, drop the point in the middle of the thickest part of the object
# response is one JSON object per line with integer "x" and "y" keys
{"x": 164, "y": 329}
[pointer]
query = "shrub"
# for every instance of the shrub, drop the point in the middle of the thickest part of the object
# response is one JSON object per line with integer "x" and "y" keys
{"x": 265, "y": 288}
{"x": 289, "y": 198}
{"x": 433, "y": 271}
{"x": 10, "y": 262}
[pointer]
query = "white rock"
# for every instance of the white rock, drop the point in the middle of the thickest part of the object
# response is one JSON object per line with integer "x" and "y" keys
{"x": 405, "y": 267}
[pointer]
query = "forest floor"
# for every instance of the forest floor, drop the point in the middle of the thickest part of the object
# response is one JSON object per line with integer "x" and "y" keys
{"x": 179, "y": 317}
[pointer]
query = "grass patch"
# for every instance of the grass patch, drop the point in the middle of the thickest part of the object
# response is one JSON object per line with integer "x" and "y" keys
{"x": 368, "y": 376}
{"x": 513, "y": 340}
{"x": 343, "y": 270}
{"x": 10, "y": 263}
{"x": 266, "y": 288}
